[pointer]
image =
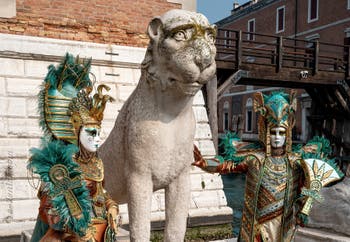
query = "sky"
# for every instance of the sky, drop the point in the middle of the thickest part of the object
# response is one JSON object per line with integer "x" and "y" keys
{"x": 216, "y": 10}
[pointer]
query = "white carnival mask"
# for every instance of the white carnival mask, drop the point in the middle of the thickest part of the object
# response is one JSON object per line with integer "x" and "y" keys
{"x": 277, "y": 137}
{"x": 90, "y": 138}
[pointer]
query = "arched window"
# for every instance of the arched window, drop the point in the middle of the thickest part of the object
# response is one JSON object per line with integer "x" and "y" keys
{"x": 249, "y": 115}
{"x": 225, "y": 117}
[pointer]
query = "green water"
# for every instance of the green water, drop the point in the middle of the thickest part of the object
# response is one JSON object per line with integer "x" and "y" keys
{"x": 234, "y": 190}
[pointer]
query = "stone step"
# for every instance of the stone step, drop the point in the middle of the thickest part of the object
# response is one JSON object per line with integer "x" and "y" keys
{"x": 122, "y": 236}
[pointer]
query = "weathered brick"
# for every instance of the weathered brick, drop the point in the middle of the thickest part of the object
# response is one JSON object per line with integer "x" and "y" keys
{"x": 206, "y": 147}
{"x": 208, "y": 212}
{"x": 198, "y": 99}
{"x": 24, "y": 127}
{"x": 11, "y": 67}
{"x": 25, "y": 209}
{"x": 36, "y": 69}
{"x": 205, "y": 198}
{"x": 17, "y": 167}
{"x": 201, "y": 114}
{"x": 206, "y": 181}
{"x": 22, "y": 189}
{"x": 136, "y": 75}
{"x": 120, "y": 26}
{"x": 6, "y": 189}
{"x": 2, "y": 86}
{"x": 5, "y": 210}
{"x": 112, "y": 110}
{"x": 3, "y": 126}
{"x": 202, "y": 131}
{"x": 32, "y": 107}
{"x": 14, "y": 148}
{"x": 13, "y": 106}
{"x": 123, "y": 76}
{"x": 125, "y": 91}
{"x": 22, "y": 86}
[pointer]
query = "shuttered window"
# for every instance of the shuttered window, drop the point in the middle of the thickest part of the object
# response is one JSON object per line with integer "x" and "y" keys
{"x": 312, "y": 10}
{"x": 280, "y": 17}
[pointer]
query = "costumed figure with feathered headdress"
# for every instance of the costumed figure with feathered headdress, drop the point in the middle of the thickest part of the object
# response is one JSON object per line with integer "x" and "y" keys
{"x": 281, "y": 183}
{"x": 73, "y": 203}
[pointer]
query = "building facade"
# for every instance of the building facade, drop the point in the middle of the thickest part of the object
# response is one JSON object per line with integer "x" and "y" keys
{"x": 35, "y": 34}
{"x": 308, "y": 20}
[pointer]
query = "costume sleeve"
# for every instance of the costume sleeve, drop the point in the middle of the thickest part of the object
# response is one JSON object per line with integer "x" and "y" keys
{"x": 109, "y": 201}
{"x": 217, "y": 166}
{"x": 46, "y": 211}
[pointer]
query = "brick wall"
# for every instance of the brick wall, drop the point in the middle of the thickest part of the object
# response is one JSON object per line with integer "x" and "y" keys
{"x": 120, "y": 22}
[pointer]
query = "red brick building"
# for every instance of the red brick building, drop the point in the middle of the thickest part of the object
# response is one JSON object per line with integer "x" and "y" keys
{"x": 105, "y": 21}
{"x": 306, "y": 20}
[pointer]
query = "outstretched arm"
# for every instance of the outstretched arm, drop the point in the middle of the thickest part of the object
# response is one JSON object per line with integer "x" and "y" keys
{"x": 214, "y": 165}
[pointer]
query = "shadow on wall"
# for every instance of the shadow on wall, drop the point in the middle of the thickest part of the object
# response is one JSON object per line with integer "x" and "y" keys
{"x": 234, "y": 185}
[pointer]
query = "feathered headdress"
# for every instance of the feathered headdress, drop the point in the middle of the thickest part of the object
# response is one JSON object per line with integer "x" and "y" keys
{"x": 277, "y": 109}
{"x": 64, "y": 100}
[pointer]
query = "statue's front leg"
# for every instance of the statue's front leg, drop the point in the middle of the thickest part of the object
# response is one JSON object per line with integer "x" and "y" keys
{"x": 177, "y": 200}
{"x": 139, "y": 206}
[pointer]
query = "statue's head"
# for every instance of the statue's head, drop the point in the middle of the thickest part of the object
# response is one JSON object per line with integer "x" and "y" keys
{"x": 276, "y": 119}
{"x": 181, "y": 52}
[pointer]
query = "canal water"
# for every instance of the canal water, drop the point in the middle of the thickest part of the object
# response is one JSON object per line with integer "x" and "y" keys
{"x": 234, "y": 190}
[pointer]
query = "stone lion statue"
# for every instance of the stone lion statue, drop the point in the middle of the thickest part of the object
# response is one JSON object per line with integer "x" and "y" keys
{"x": 151, "y": 144}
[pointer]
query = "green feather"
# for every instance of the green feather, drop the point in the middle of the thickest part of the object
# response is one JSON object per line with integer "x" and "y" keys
{"x": 67, "y": 79}
{"x": 41, "y": 161}
{"x": 230, "y": 151}
{"x": 323, "y": 151}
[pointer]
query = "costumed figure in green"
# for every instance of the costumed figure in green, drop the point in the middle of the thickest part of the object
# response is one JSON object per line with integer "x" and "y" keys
{"x": 73, "y": 203}
{"x": 280, "y": 183}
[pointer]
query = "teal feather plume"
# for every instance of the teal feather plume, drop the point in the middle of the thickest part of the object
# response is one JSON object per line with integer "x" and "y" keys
{"x": 322, "y": 152}
{"x": 230, "y": 152}
{"x": 67, "y": 79}
{"x": 41, "y": 161}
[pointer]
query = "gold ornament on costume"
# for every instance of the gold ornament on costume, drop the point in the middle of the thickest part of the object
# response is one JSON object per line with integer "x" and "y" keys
{"x": 86, "y": 110}
{"x": 275, "y": 110}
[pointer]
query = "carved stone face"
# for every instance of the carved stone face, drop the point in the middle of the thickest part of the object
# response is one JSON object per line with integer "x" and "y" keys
{"x": 183, "y": 50}
{"x": 90, "y": 138}
{"x": 277, "y": 137}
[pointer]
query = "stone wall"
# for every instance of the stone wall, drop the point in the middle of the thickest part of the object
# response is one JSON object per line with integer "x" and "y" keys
{"x": 118, "y": 22}
{"x": 23, "y": 65}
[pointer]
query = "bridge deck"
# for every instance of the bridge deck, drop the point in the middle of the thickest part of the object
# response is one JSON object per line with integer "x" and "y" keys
{"x": 280, "y": 61}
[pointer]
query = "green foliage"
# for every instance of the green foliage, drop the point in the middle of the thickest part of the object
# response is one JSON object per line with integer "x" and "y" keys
{"x": 200, "y": 234}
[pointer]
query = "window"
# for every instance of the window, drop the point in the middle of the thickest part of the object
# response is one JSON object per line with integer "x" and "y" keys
{"x": 347, "y": 32}
{"x": 225, "y": 120}
{"x": 225, "y": 117}
{"x": 227, "y": 40}
{"x": 347, "y": 36}
{"x": 348, "y": 4}
{"x": 249, "y": 115}
{"x": 312, "y": 11}
{"x": 280, "y": 17}
{"x": 251, "y": 29}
